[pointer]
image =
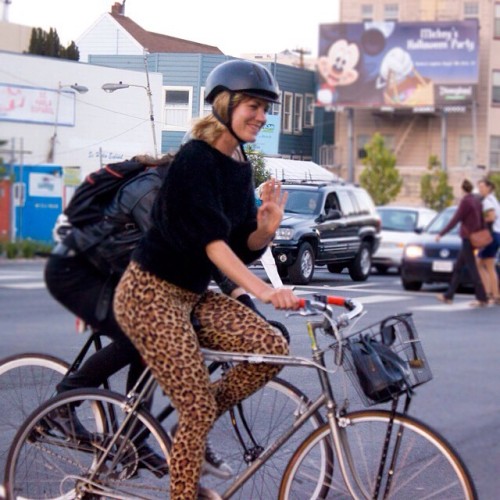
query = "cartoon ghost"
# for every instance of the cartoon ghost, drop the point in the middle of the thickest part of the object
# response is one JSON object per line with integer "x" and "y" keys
{"x": 337, "y": 69}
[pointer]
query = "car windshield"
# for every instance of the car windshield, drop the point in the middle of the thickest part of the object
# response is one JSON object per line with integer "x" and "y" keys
{"x": 398, "y": 220}
{"x": 302, "y": 202}
{"x": 440, "y": 221}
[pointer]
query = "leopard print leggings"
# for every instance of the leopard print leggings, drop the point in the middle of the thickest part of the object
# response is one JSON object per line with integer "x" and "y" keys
{"x": 155, "y": 315}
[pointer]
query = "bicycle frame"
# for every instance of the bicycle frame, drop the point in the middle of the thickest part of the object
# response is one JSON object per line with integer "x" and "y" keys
{"x": 325, "y": 399}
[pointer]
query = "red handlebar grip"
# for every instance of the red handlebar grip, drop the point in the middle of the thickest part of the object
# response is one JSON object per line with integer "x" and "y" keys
{"x": 302, "y": 303}
{"x": 336, "y": 301}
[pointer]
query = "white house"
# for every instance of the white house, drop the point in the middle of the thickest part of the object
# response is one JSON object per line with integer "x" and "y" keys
{"x": 45, "y": 120}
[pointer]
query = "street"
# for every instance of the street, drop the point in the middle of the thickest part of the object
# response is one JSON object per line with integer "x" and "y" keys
{"x": 462, "y": 345}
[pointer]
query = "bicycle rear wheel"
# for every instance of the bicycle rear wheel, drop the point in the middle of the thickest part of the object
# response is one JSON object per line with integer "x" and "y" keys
{"x": 267, "y": 413}
{"x": 26, "y": 381}
{"x": 45, "y": 462}
{"x": 426, "y": 466}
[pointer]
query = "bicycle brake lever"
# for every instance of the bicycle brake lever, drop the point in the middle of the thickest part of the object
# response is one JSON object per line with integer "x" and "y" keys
{"x": 302, "y": 312}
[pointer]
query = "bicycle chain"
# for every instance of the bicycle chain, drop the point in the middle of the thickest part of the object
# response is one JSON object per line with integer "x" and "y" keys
{"x": 101, "y": 488}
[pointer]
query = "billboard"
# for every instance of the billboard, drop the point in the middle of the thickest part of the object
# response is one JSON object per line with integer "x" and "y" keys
{"x": 37, "y": 105}
{"x": 398, "y": 65}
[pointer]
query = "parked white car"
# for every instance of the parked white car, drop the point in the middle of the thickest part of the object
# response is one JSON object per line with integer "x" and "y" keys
{"x": 399, "y": 225}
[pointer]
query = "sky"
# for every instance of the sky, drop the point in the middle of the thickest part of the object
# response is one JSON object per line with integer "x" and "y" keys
{"x": 235, "y": 27}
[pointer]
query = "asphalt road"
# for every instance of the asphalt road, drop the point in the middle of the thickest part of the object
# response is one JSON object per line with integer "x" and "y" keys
{"x": 462, "y": 344}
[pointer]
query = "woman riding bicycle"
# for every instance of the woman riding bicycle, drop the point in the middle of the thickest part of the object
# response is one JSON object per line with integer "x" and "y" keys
{"x": 205, "y": 217}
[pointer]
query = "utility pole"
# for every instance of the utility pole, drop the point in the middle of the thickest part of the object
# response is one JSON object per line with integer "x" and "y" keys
{"x": 5, "y": 16}
{"x": 302, "y": 52}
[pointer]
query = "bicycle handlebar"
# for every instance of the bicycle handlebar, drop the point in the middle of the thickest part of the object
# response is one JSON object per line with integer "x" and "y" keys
{"x": 321, "y": 303}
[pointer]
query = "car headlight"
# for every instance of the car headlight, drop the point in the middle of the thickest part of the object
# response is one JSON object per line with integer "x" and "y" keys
{"x": 284, "y": 233}
{"x": 414, "y": 251}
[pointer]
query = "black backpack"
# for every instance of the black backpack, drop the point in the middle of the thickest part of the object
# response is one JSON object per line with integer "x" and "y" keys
{"x": 97, "y": 191}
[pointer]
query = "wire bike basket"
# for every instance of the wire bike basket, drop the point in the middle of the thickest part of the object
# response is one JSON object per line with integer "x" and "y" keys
{"x": 385, "y": 360}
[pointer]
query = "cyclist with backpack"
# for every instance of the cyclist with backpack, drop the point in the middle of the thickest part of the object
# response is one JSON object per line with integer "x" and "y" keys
{"x": 204, "y": 217}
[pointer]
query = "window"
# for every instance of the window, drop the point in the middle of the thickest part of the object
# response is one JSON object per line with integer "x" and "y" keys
{"x": 298, "y": 111}
{"x": 391, "y": 12}
{"x": 287, "y": 112}
{"x": 309, "y": 111}
{"x": 275, "y": 108}
{"x": 346, "y": 203}
{"x": 205, "y": 108}
{"x": 471, "y": 10}
{"x": 495, "y": 152}
{"x": 178, "y": 108}
{"x": 497, "y": 21}
{"x": 366, "y": 12}
{"x": 495, "y": 91}
{"x": 466, "y": 150}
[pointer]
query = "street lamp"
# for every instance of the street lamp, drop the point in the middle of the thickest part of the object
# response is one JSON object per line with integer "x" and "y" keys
{"x": 81, "y": 89}
{"x": 111, "y": 87}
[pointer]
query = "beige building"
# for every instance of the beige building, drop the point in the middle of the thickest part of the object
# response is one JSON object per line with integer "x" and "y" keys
{"x": 14, "y": 37}
{"x": 467, "y": 142}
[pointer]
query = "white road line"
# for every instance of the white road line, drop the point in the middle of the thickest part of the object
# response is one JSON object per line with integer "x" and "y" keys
{"x": 25, "y": 286}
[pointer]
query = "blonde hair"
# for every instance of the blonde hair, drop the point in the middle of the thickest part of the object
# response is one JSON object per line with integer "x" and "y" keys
{"x": 209, "y": 128}
{"x": 152, "y": 161}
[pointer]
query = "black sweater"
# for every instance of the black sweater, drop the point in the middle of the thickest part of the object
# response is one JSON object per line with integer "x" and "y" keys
{"x": 206, "y": 196}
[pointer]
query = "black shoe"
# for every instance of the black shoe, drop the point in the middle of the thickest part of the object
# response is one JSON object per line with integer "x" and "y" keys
{"x": 65, "y": 421}
{"x": 151, "y": 461}
{"x": 215, "y": 465}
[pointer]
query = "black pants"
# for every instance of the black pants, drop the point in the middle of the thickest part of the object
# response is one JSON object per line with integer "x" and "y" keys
{"x": 88, "y": 294}
{"x": 467, "y": 260}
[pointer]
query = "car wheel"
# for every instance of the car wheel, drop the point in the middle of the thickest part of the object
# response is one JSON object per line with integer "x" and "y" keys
{"x": 381, "y": 268}
{"x": 302, "y": 270}
{"x": 413, "y": 286}
{"x": 359, "y": 270}
{"x": 335, "y": 268}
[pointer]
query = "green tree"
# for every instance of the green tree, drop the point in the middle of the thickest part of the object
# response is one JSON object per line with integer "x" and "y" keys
{"x": 435, "y": 191}
{"x": 48, "y": 44}
{"x": 256, "y": 158}
{"x": 380, "y": 177}
{"x": 495, "y": 178}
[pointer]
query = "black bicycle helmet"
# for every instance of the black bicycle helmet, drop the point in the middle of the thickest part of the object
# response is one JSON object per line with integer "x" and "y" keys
{"x": 242, "y": 76}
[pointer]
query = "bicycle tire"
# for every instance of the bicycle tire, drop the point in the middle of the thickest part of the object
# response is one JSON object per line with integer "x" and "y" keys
{"x": 427, "y": 466}
{"x": 268, "y": 413}
{"x": 44, "y": 462}
{"x": 26, "y": 381}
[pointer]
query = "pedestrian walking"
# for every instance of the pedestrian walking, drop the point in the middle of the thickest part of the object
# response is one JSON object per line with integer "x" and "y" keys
{"x": 469, "y": 215}
{"x": 487, "y": 256}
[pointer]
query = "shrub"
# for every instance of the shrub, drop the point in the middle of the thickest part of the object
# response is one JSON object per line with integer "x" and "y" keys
{"x": 380, "y": 176}
{"x": 435, "y": 191}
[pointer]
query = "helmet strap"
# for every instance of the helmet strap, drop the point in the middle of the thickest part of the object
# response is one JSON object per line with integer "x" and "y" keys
{"x": 227, "y": 124}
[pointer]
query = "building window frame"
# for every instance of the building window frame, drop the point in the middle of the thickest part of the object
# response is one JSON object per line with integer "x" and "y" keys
{"x": 391, "y": 12}
{"x": 495, "y": 88}
{"x": 298, "y": 113}
{"x": 471, "y": 10}
{"x": 204, "y": 107}
{"x": 465, "y": 150}
{"x": 287, "y": 110}
{"x": 309, "y": 100}
{"x": 495, "y": 152}
{"x": 366, "y": 12}
{"x": 275, "y": 108}
{"x": 183, "y": 111}
{"x": 496, "y": 20}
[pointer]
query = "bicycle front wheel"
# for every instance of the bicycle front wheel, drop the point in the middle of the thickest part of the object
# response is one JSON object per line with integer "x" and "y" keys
{"x": 242, "y": 435}
{"x": 47, "y": 461}
{"x": 424, "y": 464}
{"x": 26, "y": 381}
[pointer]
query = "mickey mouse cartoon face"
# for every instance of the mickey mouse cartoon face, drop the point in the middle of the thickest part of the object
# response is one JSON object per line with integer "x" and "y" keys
{"x": 337, "y": 68}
